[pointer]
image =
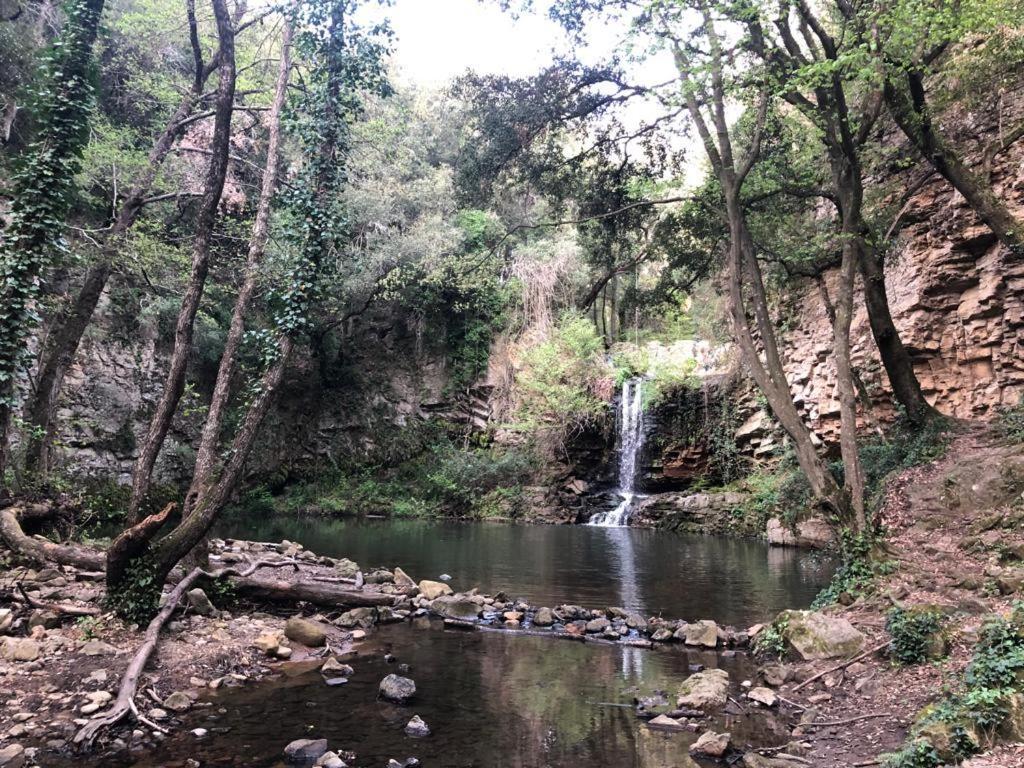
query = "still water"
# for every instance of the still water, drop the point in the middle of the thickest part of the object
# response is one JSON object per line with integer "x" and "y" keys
{"x": 492, "y": 700}
{"x": 732, "y": 581}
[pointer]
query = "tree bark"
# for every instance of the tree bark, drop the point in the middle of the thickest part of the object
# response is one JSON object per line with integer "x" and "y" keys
{"x": 174, "y": 384}
{"x": 62, "y": 344}
{"x": 909, "y": 108}
{"x": 43, "y": 550}
{"x": 207, "y": 452}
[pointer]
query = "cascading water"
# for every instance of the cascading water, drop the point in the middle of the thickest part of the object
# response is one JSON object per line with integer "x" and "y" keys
{"x": 631, "y": 439}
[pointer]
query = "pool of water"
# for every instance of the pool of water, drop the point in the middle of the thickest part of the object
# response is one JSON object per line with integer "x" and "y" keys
{"x": 492, "y": 700}
{"x": 732, "y": 581}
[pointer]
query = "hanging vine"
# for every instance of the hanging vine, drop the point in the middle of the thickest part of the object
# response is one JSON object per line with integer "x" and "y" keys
{"x": 43, "y": 186}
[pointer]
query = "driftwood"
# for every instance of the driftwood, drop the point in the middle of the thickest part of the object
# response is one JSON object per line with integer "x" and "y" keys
{"x": 43, "y": 550}
{"x": 125, "y": 701}
{"x": 318, "y": 593}
{"x": 844, "y": 665}
{"x": 60, "y": 608}
{"x": 847, "y": 721}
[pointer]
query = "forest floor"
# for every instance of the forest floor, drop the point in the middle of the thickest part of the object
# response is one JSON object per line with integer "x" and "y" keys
{"x": 954, "y": 533}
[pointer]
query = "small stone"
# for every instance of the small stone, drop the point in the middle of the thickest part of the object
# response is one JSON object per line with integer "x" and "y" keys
{"x": 398, "y": 689}
{"x": 662, "y": 635}
{"x": 157, "y": 714}
{"x": 268, "y": 642}
{"x": 97, "y": 648}
{"x": 667, "y": 723}
{"x": 711, "y": 744}
{"x": 178, "y": 702}
{"x": 6, "y": 619}
{"x": 305, "y": 750}
{"x": 819, "y": 698}
{"x": 283, "y": 652}
{"x": 764, "y": 696}
{"x": 199, "y": 733}
{"x": 43, "y": 618}
{"x": 599, "y": 624}
{"x": 330, "y": 760}
{"x": 334, "y": 668}
{"x": 417, "y": 728}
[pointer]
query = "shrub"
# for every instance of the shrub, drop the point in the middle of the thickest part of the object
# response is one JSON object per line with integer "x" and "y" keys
{"x": 771, "y": 641}
{"x": 914, "y": 633}
{"x": 919, "y": 754}
{"x": 1010, "y": 422}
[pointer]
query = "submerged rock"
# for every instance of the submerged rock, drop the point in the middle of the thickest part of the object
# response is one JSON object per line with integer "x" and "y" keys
{"x": 397, "y": 688}
{"x": 705, "y": 690}
{"x": 334, "y": 668}
{"x": 815, "y": 635}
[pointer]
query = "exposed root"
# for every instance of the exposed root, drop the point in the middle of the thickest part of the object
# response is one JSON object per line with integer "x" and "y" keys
{"x": 124, "y": 704}
{"x": 40, "y": 549}
{"x": 65, "y": 609}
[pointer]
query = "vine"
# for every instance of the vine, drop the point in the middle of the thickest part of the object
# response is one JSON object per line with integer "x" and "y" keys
{"x": 43, "y": 184}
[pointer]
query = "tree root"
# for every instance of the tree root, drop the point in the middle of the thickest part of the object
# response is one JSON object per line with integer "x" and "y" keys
{"x": 40, "y": 549}
{"x": 65, "y": 609}
{"x": 125, "y": 702}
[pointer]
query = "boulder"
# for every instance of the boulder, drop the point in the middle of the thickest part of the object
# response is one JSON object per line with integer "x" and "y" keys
{"x": 305, "y": 750}
{"x": 701, "y": 633}
{"x": 814, "y": 635}
{"x": 346, "y": 568}
{"x": 403, "y": 580}
{"x": 199, "y": 602}
{"x": 431, "y": 590}
{"x": 707, "y": 690}
{"x": 764, "y": 696}
{"x": 813, "y": 533}
{"x": 330, "y": 760}
{"x": 417, "y": 728}
{"x": 451, "y": 607}
{"x": 544, "y": 617}
{"x": 19, "y": 649}
{"x": 357, "y": 617}
{"x": 44, "y": 618}
{"x": 710, "y": 744}
{"x": 661, "y": 635}
{"x": 600, "y": 624}
{"x": 178, "y": 702}
{"x": 12, "y": 756}
{"x": 398, "y": 689}
{"x": 305, "y": 632}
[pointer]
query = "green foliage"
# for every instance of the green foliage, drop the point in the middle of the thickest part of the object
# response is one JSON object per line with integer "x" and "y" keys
{"x": 560, "y": 376}
{"x": 1010, "y": 422}
{"x": 856, "y": 574}
{"x": 771, "y": 641}
{"x": 998, "y": 660}
{"x": 89, "y": 627}
{"x": 43, "y": 183}
{"x": 913, "y": 631}
{"x": 918, "y": 754}
{"x": 902, "y": 448}
{"x": 137, "y": 597}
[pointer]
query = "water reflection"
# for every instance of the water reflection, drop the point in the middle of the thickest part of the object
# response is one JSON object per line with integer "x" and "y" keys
{"x": 493, "y": 700}
{"x": 732, "y": 581}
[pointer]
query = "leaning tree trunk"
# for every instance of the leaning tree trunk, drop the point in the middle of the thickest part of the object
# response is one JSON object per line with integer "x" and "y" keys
{"x": 42, "y": 196}
{"x": 174, "y": 384}
{"x": 910, "y": 110}
{"x": 61, "y": 346}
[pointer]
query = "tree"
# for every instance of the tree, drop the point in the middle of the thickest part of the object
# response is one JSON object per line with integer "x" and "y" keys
{"x": 43, "y": 188}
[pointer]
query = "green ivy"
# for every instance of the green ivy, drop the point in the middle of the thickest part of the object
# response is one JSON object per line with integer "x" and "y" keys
{"x": 914, "y": 632}
{"x": 137, "y": 598}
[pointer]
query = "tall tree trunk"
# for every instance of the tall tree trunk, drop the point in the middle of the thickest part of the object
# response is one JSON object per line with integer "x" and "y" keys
{"x": 61, "y": 346}
{"x": 174, "y": 384}
{"x": 910, "y": 110}
{"x": 207, "y": 452}
{"x": 42, "y": 196}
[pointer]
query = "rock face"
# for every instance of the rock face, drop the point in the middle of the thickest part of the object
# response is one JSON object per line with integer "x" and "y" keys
{"x": 814, "y": 635}
{"x": 305, "y": 632}
{"x": 398, "y": 689}
{"x": 707, "y": 690}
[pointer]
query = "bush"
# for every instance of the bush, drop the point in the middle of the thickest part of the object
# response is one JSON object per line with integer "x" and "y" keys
{"x": 771, "y": 641}
{"x": 919, "y": 754}
{"x": 1010, "y": 422}
{"x": 914, "y": 633}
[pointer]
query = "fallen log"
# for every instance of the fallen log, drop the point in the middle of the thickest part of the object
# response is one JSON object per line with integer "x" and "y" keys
{"x": 43, "y": 550}
{"x": 317, "y": 593}
{"x": 125, "y": 701}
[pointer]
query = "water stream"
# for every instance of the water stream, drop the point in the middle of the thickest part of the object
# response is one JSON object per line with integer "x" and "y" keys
{"x": 631, "y": 440}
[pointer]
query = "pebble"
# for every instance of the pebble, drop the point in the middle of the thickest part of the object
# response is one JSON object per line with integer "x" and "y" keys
{"x": 199, "y": 733}
{"x": 417, "y": 728}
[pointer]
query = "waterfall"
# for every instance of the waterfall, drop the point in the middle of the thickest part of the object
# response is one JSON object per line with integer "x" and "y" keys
{"x": 631, "y": 439}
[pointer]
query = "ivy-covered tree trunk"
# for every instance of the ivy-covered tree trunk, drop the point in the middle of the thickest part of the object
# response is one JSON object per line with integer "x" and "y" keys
{"x": 43, "y": 187}
{"x": 174, "y": 384}
{"x": 62, "y": 343}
